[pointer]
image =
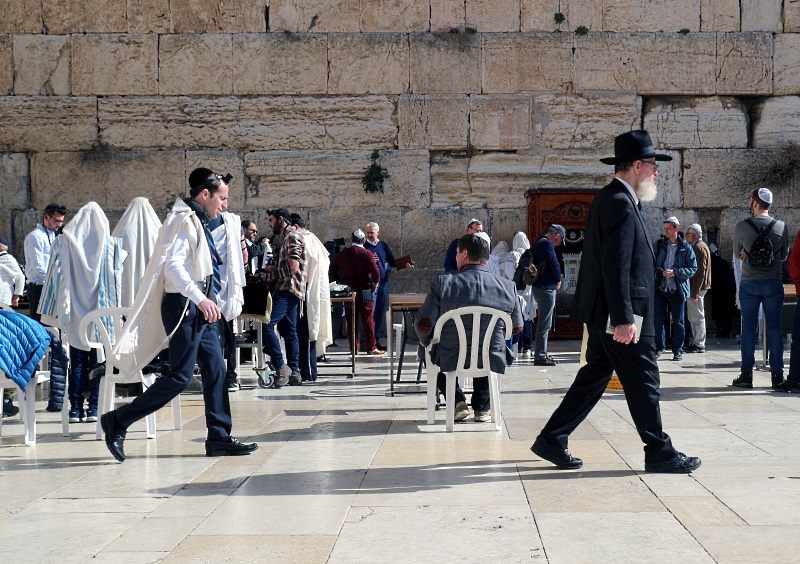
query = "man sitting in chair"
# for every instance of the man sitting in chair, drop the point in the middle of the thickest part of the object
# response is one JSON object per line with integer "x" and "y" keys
{"x": 471, "y": 285}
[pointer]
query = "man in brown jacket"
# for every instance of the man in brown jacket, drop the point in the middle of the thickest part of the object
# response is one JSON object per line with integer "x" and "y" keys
{"x": 358, "y": 268}
{"x": 698, "y": 286}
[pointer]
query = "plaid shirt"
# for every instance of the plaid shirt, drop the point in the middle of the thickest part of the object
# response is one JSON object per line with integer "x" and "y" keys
{"x": 294, "y": 248}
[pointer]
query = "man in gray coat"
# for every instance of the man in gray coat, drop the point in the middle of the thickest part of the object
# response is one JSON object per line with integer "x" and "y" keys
{"x": 471, "y": 285}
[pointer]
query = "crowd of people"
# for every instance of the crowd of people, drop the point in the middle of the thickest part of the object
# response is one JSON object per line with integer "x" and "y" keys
{"x": 631, "y": 294}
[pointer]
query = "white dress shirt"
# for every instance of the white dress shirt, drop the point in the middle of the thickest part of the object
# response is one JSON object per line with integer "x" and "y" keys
{"x": 37, "y": 253}
{"x": 12, "y": 281}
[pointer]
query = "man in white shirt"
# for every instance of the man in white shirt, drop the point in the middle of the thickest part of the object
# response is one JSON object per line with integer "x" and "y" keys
{"x": 12, "y": 280}
{"x": 189, "y": 313}
{"x": 37, "y": 252}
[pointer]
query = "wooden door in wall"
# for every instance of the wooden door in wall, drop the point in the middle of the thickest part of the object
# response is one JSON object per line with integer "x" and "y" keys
{"x": 569, "y": 208}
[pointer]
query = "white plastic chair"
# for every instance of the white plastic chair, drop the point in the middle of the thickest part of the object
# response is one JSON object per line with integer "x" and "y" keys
{"x": 457, "y": 316}
{"x": 108, "y": 383}
{"x": 257, "y": 347}
{"x": 27, "y": 408}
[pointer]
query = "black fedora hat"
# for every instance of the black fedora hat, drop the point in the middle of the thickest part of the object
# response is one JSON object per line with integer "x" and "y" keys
{"x": 634, "y": 146}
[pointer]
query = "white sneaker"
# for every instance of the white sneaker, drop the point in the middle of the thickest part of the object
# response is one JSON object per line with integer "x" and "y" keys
{"x": 462, "y": 411}
{"x": 483, "y": 416}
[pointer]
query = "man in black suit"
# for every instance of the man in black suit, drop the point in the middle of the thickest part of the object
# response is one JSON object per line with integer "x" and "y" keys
{"x": 615, "y": 284}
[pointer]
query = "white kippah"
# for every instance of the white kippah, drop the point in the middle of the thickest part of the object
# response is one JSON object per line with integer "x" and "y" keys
{"x": 765, "y": 195}
{"x": 359, "y": 234}
{"x": 483, "y": 235}
{"x": 697, "y": 229}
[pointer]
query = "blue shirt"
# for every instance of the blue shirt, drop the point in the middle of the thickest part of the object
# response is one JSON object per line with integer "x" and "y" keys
{"x": 385, "y": 257}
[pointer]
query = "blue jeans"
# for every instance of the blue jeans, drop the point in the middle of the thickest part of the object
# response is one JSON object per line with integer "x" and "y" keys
{"x": 768, "y": 294}
{"x": 80, "y": 361}
{"x": 677, "y": 306}
{"x": 284, "y": 316}
{"x": 794, "y": 355}
{"x": 546, "y": 305}
{"x": 379, "y": 311}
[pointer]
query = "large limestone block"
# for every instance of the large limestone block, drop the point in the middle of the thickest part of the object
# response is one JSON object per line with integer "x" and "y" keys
{"x": 697, "y": 123}
{"x": 285, "y": 122}
{"x": 42, "y": 64}
{"x": 586, "y": 13}
{"x": 527, "y": 62}
{"x": 761, "y": 15}
{"x": 447, "y": 15}
{"x": 221, "y": 162}
{"x": 719, "y": 15}
{"x": 500, "y": 122}
{"x": 395, "y": 15}
{"x": 317, "y": 179}
{"x": 590, "y": 121}
{"x": 179, "y": 123}
{"x": 791, "y": 16}
{"x": 449, "y": 180}
{"x": 433, "y": 121}
{"x": 493, "y": 15}
{"x": 786, "y": 64}
{"x": 87, "y": 16}
{"x": 778, "y": 122}
{"x": 499, "y": 180}
{"x": 315, "y": 15}
{"x": 506, "y": 223}
{"x": 646, "y": 63}
{"x": 21, "y": 16}
{"x": 368, "y": 63}
{"x": 47, "y": 123}
{"x": 280, "y": 63}
{"x": 195, "y": 64}
{"x": 653, "y": 15}
{"x": 539, "y": 15}
{"x": 335, "y": 222}
{"x": 109, "y": 64}
{"x": 14, "y": 179}
{"x": 744, "y": 63}
{"x": 6, "y": 65}
{"x": 718, "y": 178}
{"x": 427, "y": 234}
{"x": 149, "y": 16}
{"x": 204, "y": 16}
{"x": 445, "y": 63}
{"x": 105, "y": 177}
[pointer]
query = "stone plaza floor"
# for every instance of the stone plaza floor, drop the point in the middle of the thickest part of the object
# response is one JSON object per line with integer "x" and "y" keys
{"x": 346, "y": 474}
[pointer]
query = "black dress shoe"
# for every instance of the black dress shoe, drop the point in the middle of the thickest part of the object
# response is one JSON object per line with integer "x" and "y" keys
{"x": 115, "y": 435}
{"x": 679, "y": 464}
{"x": 788, "y": 386}
{"x": 229, "y": 447}
{"x": 545, "y": 362}
{"x": 561, "y": 457}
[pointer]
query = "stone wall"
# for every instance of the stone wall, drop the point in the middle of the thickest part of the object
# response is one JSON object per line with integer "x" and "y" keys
{"x": 468, "y": 104}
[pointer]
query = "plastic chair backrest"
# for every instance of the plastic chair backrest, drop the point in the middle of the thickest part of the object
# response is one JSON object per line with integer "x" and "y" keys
{"x": 457, "y": 316}
{"x": 95, "y": 322}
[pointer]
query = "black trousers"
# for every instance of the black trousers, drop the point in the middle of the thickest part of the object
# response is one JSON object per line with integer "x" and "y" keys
{"x": 34, "y": 297}
{"x": 193, "y": 341}
{"x": 481, "y": 400}
{"x": 637, "y": 370}
{"x": 308, "y": 348}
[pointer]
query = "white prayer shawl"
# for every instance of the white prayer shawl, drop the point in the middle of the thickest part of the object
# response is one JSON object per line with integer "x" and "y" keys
{"x": 143, "y": 335}
{"x": 137, "y": 228}
{"x": 507, "y": 260}
{"x": 12, "y": 280}
{"x": 227, "y": 239}
{"x": 318, "y": 296}
{"x": 84, "y": 274}
{"x": 520, "y": 244}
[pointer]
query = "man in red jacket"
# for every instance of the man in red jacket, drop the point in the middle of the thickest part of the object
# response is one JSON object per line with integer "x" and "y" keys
{"x": 358, "y": 268}
{"x": 792, "y": 383}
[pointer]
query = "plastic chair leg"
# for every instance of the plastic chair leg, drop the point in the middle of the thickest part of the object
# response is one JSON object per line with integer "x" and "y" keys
{"x": 176, "y": 411}
{"x": 450, "y": 398}
{"x": 494, "y": 395}
{"x": 431, "y": 397}
{"x": 29, "y": 412}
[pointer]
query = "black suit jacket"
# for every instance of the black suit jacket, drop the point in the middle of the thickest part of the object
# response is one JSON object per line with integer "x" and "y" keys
{"x": 617, "y": 265}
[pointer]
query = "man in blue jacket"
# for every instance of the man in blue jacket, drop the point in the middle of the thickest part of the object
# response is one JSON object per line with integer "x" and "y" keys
{"x": 543, "y": 252}
{"x": 386, "y": 262}
{"x": 675, "y": 266}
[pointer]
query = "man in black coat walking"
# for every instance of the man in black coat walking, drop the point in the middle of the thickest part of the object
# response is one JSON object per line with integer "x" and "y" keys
{"x": 614, "y": 298}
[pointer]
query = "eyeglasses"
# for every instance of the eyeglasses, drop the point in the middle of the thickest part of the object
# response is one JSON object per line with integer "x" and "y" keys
{"x": 253, "y": 230}
{"x": 652, "y": 163}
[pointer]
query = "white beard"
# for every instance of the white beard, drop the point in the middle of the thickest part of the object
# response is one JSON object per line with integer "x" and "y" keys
{"x": 647, "y": 190}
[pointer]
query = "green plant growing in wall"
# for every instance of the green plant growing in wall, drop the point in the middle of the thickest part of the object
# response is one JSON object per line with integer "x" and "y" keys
{"x": 559, "y": 18}
{"x": 374, "y": 175}
{"x": 684, "y": 31}
{"x": 582, "y": 30}
{"x": 471, "y": 30}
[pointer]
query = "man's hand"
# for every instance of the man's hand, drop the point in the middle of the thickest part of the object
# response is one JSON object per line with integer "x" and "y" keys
{"x": 209, "y": 310}
{"x": 669, "y": 273}
{"x": 626, "y": 334}
{"x": 694, "y": 299}
{"x": 15, "y": 300}
{"x": 558, "y": 286}
{"x": 424, "y": 326}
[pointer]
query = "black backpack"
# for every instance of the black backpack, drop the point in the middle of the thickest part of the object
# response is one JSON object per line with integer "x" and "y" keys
{"x": 762, "y": 252}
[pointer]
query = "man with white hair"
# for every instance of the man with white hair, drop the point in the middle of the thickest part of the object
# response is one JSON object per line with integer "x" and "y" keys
{"x": 385, "y": 263}
{"x": 698, "y": 286}
{"x": 762, "y": 243}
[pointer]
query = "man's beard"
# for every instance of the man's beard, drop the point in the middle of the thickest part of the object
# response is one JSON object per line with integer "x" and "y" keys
{"x": 647, "y": 190}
